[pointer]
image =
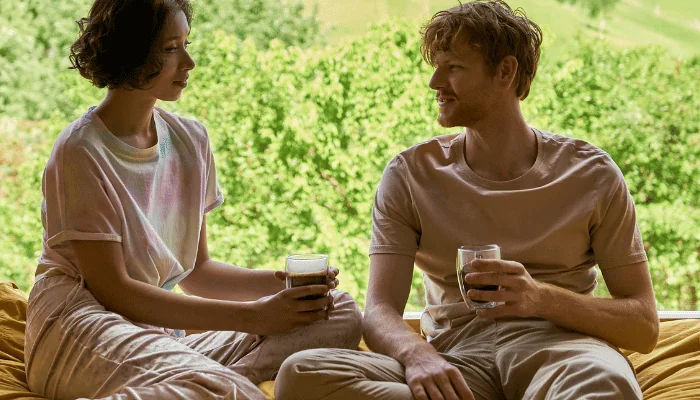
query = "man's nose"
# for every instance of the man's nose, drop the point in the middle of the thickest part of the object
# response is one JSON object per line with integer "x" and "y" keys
{"x": 437, "y": 80}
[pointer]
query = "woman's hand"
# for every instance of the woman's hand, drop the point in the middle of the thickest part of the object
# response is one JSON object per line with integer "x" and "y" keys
{"x": 286, "y": 310}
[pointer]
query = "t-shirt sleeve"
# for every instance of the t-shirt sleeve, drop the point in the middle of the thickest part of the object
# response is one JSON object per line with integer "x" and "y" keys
{"x": 212, "y": 192}
{"x": 78, "y": 205}
{"x": 395, "y": 224}
{"x": 615, "y": 237}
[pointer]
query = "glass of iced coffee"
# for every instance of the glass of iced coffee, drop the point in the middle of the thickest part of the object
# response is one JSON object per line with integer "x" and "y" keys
{"x": 465, "y": 254}
{"x": 307, "y": 269}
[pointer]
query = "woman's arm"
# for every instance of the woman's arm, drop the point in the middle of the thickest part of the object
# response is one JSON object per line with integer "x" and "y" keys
{"x": 216, "y": 280}
{"x": 104, "y": 270}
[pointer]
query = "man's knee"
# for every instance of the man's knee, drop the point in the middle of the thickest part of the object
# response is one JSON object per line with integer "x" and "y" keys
{"x": 601, "y": 378}
{"x": 298, "y": 375}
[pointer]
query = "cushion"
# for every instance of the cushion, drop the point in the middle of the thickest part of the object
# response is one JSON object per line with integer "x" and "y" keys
{"x": 13, "y": 314}
{"x": 672, "y": 370}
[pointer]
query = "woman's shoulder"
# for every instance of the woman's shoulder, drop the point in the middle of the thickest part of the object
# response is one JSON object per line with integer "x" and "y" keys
{"x": 80, "y": 134}
{"x": 183, "y": 125}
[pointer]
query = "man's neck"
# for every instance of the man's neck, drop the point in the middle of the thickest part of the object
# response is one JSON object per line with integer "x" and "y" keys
{"x": 502, "y": 147}
{"x": 129, "y": 116}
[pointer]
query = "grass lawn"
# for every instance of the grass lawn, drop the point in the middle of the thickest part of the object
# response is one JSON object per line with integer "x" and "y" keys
{"x": 673, "y": 24}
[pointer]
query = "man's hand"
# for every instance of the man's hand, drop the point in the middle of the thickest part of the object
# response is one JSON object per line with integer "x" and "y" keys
{"x": 286, "y": 310}
{"x": 430, "y": 377}
{"x": 521, "y": 293}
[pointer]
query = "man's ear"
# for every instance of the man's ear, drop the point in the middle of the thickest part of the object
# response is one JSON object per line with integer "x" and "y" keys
{"x": 507, "y": 71}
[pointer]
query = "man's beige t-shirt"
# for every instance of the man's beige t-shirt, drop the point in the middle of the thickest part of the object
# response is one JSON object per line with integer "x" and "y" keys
{"x": 152, "y": 201}
{"x": 569, "y": 212}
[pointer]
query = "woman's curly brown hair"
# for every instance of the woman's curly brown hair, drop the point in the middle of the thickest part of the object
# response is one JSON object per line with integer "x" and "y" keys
{"x": 492, "y": 27}
{"x": 117, "y": 47}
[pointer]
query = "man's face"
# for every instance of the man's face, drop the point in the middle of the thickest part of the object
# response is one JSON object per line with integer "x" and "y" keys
{"x": 168, "y": 85}
{"x": 465, "y": 87}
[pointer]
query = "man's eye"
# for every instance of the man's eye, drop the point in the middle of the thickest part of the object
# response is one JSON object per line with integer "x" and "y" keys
{"x": 455, "y": 66}
{"x": 187, "y": 43}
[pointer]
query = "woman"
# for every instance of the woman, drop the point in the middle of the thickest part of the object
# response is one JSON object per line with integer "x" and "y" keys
{"x": 126, "y": 190}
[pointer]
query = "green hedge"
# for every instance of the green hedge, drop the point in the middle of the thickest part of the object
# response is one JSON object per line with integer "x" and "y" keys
{"x": 301, "y": 137}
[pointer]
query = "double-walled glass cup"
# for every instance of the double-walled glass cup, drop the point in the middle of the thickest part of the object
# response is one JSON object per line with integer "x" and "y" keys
{"x": 307, "y": 269}
{"x": 465, "y": 254}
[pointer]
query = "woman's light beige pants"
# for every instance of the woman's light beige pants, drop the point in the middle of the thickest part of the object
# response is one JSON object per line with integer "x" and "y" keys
{"x": 77, "y": 349}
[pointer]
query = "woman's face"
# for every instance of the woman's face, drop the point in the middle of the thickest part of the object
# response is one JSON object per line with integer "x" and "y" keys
{"x": 168, "y": 85}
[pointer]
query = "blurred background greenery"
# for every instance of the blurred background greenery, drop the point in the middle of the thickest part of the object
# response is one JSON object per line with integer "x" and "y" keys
{"x": 306, "y": 102}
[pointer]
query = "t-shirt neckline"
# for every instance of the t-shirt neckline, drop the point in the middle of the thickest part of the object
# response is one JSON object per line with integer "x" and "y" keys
{"x": 509, "y": 184}
{"x": 118, "y": 146}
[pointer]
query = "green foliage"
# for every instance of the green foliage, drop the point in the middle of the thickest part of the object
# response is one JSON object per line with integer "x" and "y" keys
{"x": 260, "y": 20}
{"x": 594, "y": 7}
{"x": 34, "y": 53}
{"x": 26, "y": 148}
{"x": 672, "y": 238}
{"x": 301, "y": 137}
{"x": 35, "y": 46}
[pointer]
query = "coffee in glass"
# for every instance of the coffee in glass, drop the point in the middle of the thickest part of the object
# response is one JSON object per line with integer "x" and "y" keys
{"x": 465, "y": 255}
{"x": 307, "y": 269}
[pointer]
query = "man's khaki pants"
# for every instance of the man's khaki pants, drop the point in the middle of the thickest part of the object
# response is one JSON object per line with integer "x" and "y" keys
{"x": 514, "y": 359}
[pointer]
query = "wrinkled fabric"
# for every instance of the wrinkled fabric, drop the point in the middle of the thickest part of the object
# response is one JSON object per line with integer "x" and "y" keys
{"x": 76, "y": 349}
{"x": 514, "y": 359}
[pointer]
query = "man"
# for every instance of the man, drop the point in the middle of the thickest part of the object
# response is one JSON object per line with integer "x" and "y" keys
{"x": 556, "y": 206}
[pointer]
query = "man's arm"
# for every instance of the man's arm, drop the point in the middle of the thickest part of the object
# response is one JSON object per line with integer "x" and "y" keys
{"x": 427, "y": 373}
{"x": 628, "y": 320}
{"x": 216, "y": 280}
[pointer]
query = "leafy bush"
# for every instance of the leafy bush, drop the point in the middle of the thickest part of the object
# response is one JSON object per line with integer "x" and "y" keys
{"x": 260, "y": 20}
{"x": 35, "y": 46}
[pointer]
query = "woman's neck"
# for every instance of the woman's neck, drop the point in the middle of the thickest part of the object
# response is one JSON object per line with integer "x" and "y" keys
{"x": 128, "y": 115}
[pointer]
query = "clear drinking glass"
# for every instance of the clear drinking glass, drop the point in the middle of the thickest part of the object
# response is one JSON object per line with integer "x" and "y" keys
{"x": 307, "y": 269}
{"x": 465, "y": 254}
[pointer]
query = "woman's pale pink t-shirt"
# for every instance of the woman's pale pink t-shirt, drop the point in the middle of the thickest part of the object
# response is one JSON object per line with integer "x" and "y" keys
{"x": 570, "y": 211}
{"x": 97, "y": 187}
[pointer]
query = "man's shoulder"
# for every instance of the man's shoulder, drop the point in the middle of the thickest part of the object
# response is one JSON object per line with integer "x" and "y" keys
{"x": 570, "y": 143}
{"x": 433, "y": 149}
{"x": 579, "y": 154}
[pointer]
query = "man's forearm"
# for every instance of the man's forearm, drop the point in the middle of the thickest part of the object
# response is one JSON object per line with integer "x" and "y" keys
{"x": 625, "y": 322}
{"x": 217, "y": 280}
{"x": 387, "y": 333}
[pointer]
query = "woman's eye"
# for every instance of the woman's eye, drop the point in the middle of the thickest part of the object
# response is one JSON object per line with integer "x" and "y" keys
{"x": 174, "y": 48}
{"x": 455, "y": 66}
